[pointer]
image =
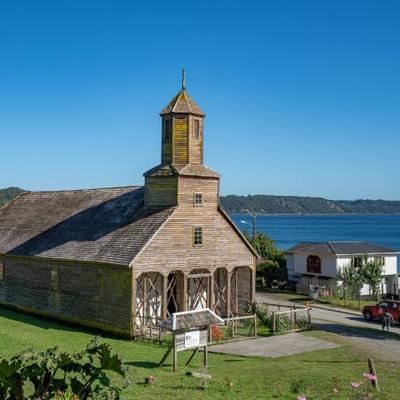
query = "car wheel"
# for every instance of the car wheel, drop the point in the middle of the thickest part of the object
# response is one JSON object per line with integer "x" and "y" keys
{"x": 367, "y": 316}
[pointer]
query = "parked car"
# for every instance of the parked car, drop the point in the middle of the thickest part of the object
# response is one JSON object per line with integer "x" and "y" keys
{"x": 377, "y": 311}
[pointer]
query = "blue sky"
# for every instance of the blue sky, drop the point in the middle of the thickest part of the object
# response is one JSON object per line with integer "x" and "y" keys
{"x": 302, "y": 97}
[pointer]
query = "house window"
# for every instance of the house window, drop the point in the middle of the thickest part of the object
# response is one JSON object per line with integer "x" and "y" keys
{"x": 198, "y": 199}
{"x": 197, "y": 235}
{"x": 313, "y": 265}
{"x": 380, "y": 260}
{"x": 1, "y": 271}
{"x": 357, "y": 262}
{"x": 196, "y": 129}
{"x": 167, "y": 130}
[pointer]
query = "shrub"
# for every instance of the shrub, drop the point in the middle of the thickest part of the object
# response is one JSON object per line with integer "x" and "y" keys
{"x": 216, "y": 333}
{"x": 56, "y": 375}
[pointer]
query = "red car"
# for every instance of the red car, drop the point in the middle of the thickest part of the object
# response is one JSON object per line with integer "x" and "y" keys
{"x": 377, "y": 311}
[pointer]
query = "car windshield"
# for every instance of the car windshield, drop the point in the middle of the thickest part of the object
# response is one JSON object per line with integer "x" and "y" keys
{"x": 383, "y": 304}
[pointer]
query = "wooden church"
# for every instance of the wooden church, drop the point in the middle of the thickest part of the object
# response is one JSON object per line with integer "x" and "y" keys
{"x": 124, "y": 259}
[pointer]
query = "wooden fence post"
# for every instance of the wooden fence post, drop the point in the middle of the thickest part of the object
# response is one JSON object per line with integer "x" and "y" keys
{"x": 372, "y": 370}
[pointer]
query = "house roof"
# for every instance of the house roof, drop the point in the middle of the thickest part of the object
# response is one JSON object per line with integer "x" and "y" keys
{"x": 96, "y": 225}
{"x": 182, "y": 103}
{"x": 340, "y": 248}
{"x": 184, "y": 170}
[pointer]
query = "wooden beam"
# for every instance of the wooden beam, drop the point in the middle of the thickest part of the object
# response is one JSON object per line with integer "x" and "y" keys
{"x": 184, "y": 292}
{"x": 228, "y": 293}
{"x": 164, "y": 296}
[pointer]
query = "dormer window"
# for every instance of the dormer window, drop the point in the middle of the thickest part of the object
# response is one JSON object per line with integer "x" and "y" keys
{"x": 196, "y": 129}
{"x": 198, "y": 199}
{"x": 167, "y": 130}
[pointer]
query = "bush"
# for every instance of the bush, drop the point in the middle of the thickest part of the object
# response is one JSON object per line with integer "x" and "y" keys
{"x": 55, "y": 375}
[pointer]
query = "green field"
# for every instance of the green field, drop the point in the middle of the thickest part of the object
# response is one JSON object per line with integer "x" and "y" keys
{"x": 314, "y": 374}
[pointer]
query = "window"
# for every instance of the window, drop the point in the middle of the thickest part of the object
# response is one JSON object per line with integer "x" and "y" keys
{"x": 383, "y": 304}
{"x": 357, "y": 262}
{"x": 395, "y": 306}
{"x": 198, "y": 199}
{"x": 380, "y": 260}
{"x": 197, "y": 235}
{"x": 167, "y": 130}
{"x": 196, "y": 129}
{"x": 313, "y": 265}
{"x": 1, "y": 271}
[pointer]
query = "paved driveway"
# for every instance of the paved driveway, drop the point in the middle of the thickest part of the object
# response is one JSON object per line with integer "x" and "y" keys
{"x": 274, "y": 346}
{"x": 319, "y": 314}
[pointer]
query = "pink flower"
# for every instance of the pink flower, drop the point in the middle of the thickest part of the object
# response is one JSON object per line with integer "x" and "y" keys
{"x": 355, "y": 385}
{"x": 302, "y": 397}
{"x": 370, "y": 377}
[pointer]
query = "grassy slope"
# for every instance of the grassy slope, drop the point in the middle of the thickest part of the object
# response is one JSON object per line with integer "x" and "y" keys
{"x": 252, "y": 378}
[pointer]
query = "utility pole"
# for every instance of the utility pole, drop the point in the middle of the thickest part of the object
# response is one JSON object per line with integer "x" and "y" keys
{"x": 253, "y": 216}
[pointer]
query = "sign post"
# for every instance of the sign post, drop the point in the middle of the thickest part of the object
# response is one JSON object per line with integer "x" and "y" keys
{"x": 189, "y": 332}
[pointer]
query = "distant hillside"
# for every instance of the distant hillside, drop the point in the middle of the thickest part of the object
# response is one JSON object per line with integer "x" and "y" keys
{"x": 8, "y": 194}
{"x": 266, "y": 204}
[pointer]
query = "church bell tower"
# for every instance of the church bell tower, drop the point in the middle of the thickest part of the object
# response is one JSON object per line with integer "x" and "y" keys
{"x": 182, "y": 153}
{"x": 182, "y": 130}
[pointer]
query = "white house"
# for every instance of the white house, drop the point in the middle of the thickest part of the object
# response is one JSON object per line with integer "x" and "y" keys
{"x": 317, "y": 263}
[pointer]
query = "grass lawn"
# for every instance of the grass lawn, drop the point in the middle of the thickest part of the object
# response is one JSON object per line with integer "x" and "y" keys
{"x": 313, "y": 374}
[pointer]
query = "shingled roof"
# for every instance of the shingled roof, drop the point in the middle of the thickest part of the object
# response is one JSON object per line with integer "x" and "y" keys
{"x": 182, "y": 103}
{"x": 97, "y": 225}
{"x": 183, "y": 170}
{"x": 340, "y": 248}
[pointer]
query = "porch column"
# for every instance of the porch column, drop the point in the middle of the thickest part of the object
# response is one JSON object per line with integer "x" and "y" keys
{"x": 253, "y": 282}
{"x": 184, "y": 292}
{"x": 164, "y": 296}
{"x": 211, "y": 296}
{"x": 133, "y": 306}
{"x": 228, "y": 293}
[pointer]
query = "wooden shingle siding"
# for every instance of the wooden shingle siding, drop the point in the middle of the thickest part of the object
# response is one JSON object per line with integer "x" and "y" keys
{"x": 89, "y": 294}
{"x": 180, "y": 139}
{"x": 172, "y": 249}
{"x": 189, "y": 186}
{"x": 195, "y": 144}
{"x": 161, "y": 191}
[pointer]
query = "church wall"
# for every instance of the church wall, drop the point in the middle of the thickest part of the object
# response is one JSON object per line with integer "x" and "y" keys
{"x": 172, "y": 248}
{"x": 180, "y": 139}
{"x": 161, "y": 190}
{"x": 195, "y": 145}
{"x": 89, "y": 294}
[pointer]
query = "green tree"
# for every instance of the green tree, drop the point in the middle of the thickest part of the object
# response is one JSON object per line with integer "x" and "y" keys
{"x": 372, "y": 271}
{"x": 352, "y": 280}
{"x": 272, "y": 264}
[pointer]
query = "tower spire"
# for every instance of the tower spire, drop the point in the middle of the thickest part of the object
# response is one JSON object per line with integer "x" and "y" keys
{"x": 183, "y": 79}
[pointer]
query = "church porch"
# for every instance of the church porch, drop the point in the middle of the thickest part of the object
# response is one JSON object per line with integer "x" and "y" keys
{"x": 158, "y": 295}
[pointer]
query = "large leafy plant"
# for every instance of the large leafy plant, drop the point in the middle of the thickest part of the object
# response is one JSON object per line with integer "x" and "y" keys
{"x": 54, "y": 374}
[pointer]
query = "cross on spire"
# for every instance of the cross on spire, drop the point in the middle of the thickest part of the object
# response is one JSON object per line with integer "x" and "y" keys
{"x": 183, "y": 79}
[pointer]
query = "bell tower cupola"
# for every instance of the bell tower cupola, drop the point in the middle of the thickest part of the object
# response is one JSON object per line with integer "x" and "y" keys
{"x": 182, "y": 130}
{"x": 181, "y": 178}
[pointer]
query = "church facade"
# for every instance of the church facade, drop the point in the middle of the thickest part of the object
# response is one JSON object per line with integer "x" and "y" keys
{"x": 124, "y": 259}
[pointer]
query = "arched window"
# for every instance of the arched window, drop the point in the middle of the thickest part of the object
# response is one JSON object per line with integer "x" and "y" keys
{"x": 313, "y": 265}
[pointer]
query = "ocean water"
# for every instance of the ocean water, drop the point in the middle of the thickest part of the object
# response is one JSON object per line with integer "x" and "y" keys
{"x": 287, "y": 230}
